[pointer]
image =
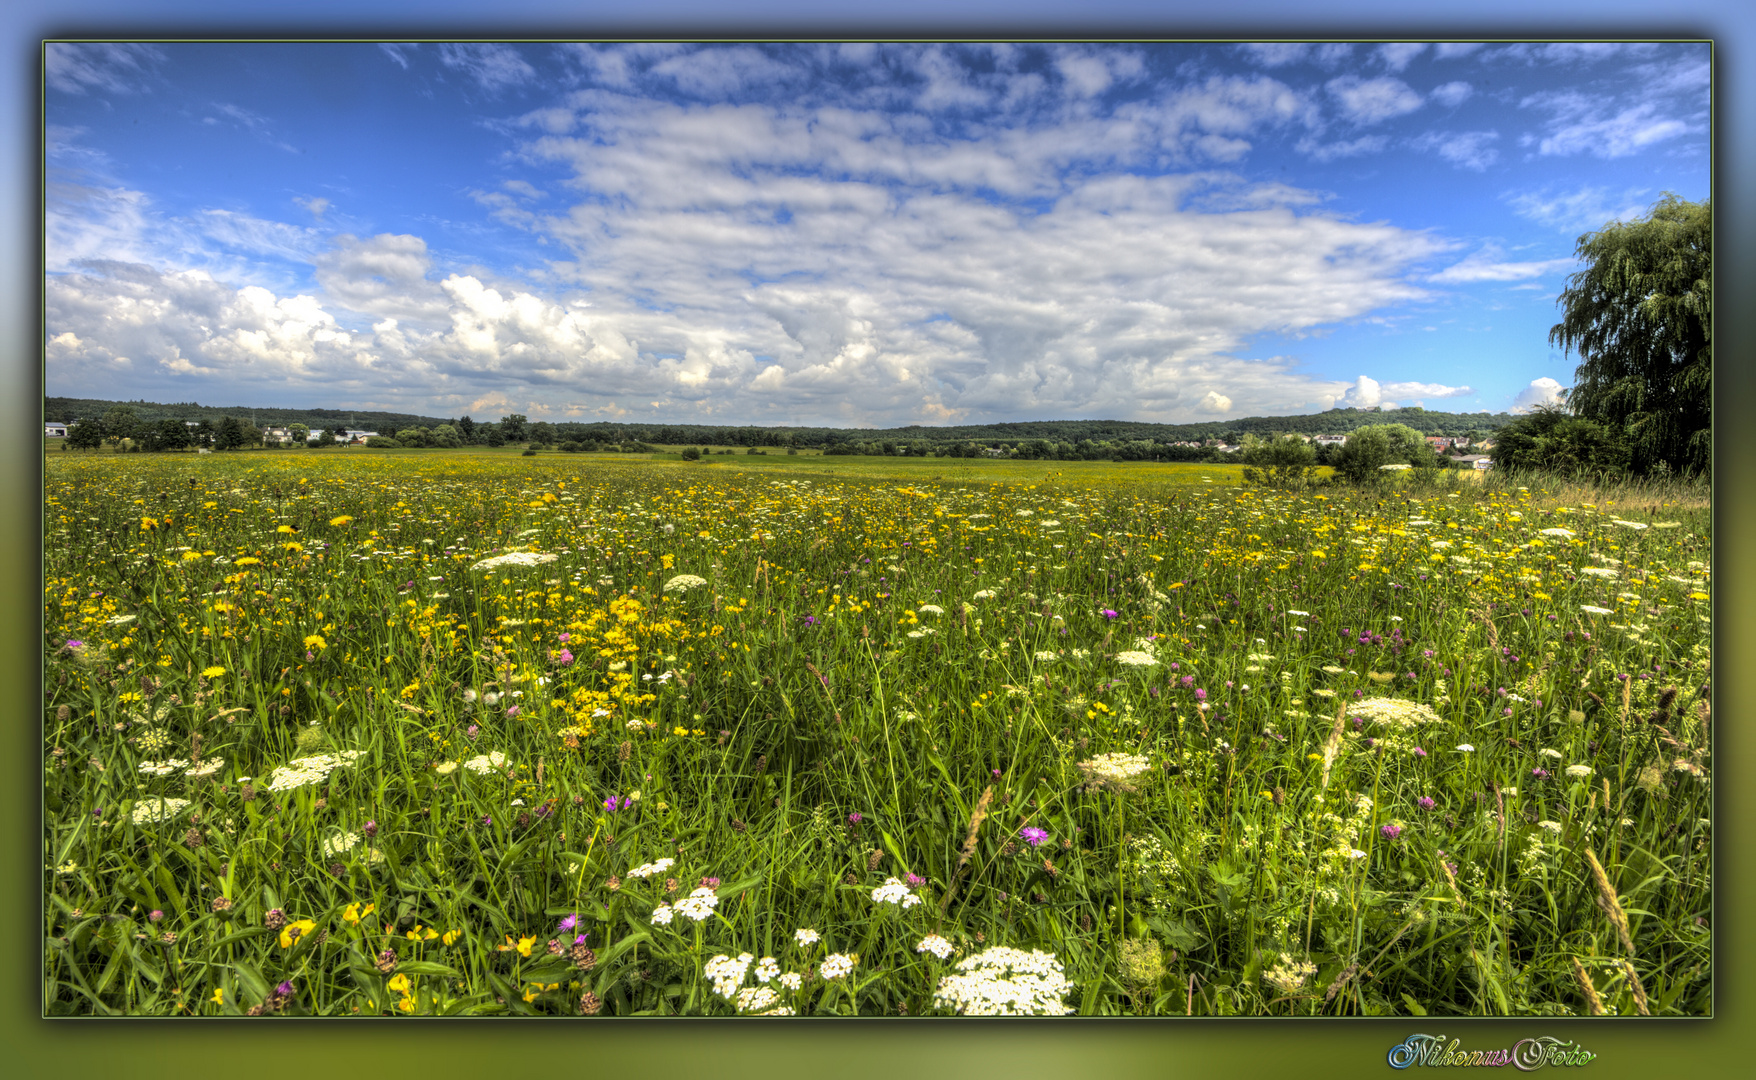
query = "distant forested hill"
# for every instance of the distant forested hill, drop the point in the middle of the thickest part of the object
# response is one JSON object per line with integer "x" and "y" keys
{"x": 66, "y": 409}
{"x": 1332, "y": 422}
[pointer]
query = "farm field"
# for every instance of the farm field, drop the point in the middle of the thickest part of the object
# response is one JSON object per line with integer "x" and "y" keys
{"x": 404, "y": 733}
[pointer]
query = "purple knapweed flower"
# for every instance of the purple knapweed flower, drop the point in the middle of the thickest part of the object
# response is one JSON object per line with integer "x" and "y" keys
{"x": 512, "y": 711}
{"x": 1200, "y": 694}
{"x": 1108, "y": 613}
{"x": 1033, "y": 835}
{"x": 370, "y": 829}
{"x": 1539, "y": 773}
{"x": 1390, "y": 832}
{"x": 563, "y": 657}
{"x": 285, "y": 989}
{"x": 854, "y": 818}
{"x": 1419, "y": 752}
{"x": 915, "y": 881}
{"x": 1425, "y": 802}
{"x": 568, "y": 923}
{"x": 472, "y": 731}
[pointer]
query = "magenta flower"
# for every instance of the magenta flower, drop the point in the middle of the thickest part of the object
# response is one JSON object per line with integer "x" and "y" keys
{"x": 854, "y": 818}
{"x": 1540, "y": 773}
{"x": 285, "y": 989}
{"x": 564, "y": 657}
{"x": 568, "y": 923}
{"x": 1419, "y": 752}
{"x": 512, "y": 711}
{"x": 563, "y": 638}
{"x": 1200, "y": 694}
{"x": 370, "y": 829}
{"x": 1033, "y": 835}
{"x": 1425, "y": 803}
{"x": 1108, "y": 614}
{"x": 1390, "y": 832}
{"x": 915, "y": 881}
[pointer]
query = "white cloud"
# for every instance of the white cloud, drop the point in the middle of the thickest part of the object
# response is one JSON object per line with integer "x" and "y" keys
{"x": 1368, "y": 393}
{"x": 493, "y": 67}
{"x": 1582, "y": 209}
{"x": 1487, "y": 266}
{"x": 1365, "y": 144}
{"x": 1371, "y": 101}
{"x": 1628, "y": 132}
{"x": 1452, "y": 50}
{"x": 1275, "y": 54}
{"x": 382, "y": 275}
{"x": 316, "y": 206}
{"x": 1543, "y": 392}
{"x": 1215, "y": 403}
{"x": 1396, "y": 56}
{"x": 75, "y": 67}
{"x": 1465, "y": 149}
{"x": 1453, "y": 94}
{"x": 398, "y": 54}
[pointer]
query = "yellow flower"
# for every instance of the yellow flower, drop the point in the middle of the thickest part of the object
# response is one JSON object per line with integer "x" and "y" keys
{"x": 354, "y": 914}
{"x": 524, "y": 945}
{"x": 1319, "y": 553}
{"x": 284, "y": 529}
{"x": 212, "y": 672}
{"x": 400, "y": 984}
{"x": 293, "y": 931}
{"x": 531, "y": 994}
{"x": 315, "y": 641}
{"x": 452, "y": 935}
{"x": 1698, "y": 596}
{"x": 248, "y": 560}
{"x": 219, "y": 995}
{"x": 343, "y": 520}
{"x": 407, "y": 1004}
{"x": 427, "y": 933}
{"x": 293, "y": 546}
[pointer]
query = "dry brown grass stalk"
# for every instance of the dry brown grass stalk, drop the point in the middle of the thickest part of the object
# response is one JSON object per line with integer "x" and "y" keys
{"x": 1640, "y": 1001}
{"x": 1609, "y": 902}
{"x": 976, "y": 817}
{"x": 1592, "y": 1001}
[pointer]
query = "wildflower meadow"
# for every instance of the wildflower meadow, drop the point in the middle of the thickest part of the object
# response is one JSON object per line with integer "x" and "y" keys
{"x": 440, "y": 734}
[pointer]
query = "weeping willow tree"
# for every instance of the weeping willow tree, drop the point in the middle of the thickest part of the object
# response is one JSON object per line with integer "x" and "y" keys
{"x": 1640, "y": 317}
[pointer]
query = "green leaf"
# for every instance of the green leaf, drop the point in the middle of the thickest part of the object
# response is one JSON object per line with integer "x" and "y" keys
{"x": 425, "y": 967}
{"x": 251, "y": 980}
{"x": 1413, "y": 1005}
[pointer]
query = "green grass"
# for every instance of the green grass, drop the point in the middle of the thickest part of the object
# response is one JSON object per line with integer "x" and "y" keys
{"x": 804, "y": 727}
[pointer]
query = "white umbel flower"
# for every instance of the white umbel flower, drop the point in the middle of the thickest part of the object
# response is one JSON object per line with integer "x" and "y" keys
{"x": 894, "y": 892}
{"x": 1003, "y": 981}
{"x": 151, "y": 811}
{"x": 515, "y": 558}
{"x": 806, "y": 937}
{"x": 651, "y": 868}
{"x": 727, "y": 974}
{"x": 1114, "y": 771}
{"x": 936, "y": 945}
{"x": 682, "y": 583}
{"x": 836, "y": 965}
{"x": 1135, "y": 659}
{"x": 698, "y": 905}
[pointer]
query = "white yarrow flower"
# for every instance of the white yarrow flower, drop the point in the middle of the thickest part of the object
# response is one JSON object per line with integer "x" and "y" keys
{"x": 806, "y": 937}
{"x": 153, "y": 810}
{"x": 515, "y": 558}
{"x": 651, "y": 868}
{"x": 936, "y": 945}
{"x": 1135, "y": 659}
{"x": 894, "y": 892}
{"x": 1003, "y": 981}
{"x": 1579, "y": 772}
{"x": 682, "y": 583}
{"x": 836, "y": 965}
{"x": 661, "y": 915}
{"x": 698, "y": 905}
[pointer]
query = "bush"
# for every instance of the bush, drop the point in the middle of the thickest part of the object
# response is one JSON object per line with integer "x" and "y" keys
{"x": 1286, "y": 462}
{"x": 528, "y": 452}
{"x": 383, "y": 442}
{"x": 691, "y": 453}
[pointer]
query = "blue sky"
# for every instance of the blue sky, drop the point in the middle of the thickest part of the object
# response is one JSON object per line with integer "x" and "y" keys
{"x": 849, "y": 235}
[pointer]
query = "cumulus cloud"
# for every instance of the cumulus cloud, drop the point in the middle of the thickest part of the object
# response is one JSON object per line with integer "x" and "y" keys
{"x": 1452, "y": 50}
{"x": 885, "y": 254}
{"x": 1369, "y": 393}
{"x": 1321, "y": 151}
{"x": 1543, "y": 392}
{"x": 1372, "y": 101}
{"x": 381, "y": 275}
